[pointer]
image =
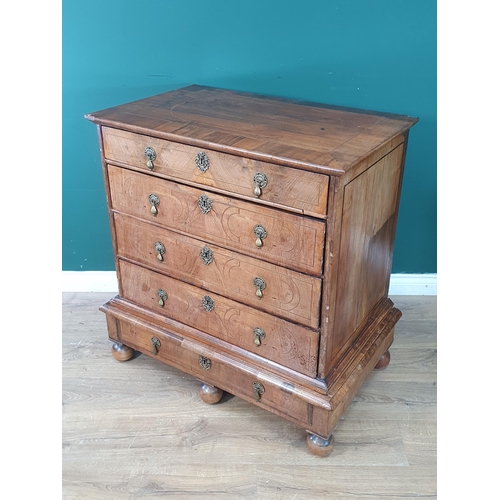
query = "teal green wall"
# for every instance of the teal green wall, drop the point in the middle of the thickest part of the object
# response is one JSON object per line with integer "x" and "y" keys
{"x": 378, "y": 55}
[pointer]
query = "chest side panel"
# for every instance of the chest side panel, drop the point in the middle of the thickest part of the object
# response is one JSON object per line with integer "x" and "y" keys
{"x": 367, "y": 239}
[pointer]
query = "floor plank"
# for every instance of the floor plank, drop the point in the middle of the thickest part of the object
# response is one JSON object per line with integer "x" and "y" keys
{"x": 346, "y": 483}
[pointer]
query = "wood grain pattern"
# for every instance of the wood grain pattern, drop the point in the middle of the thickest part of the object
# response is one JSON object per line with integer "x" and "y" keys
{"x": 286, "y": 343}
{"x": 288, "y": 187}
{"x": 292, "y": 241}
{"x": 315, "y": 136}
{"x": 288, "y": 294}
{"x": 144, "y": 431}
{"x": 368, "y": 225}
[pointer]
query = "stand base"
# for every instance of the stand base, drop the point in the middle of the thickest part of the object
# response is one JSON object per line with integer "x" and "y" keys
{"x": 292, "y": 397}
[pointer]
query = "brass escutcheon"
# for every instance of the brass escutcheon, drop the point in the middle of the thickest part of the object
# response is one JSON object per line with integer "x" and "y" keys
{"x": 205, "y": 363}
{"x": 162, "y": 294}
{"x": 160, "y": 250}
{"x": 202, "y": 161}
{"x": 155, "y": 201}
{"x": 260, "y": 334}
{"x": 208, "y": 303}
{"x": 261, "y": 233}
{"x": 150, "y": 155}
{"x": 206, "y": 255}
{"x": 155, "y": 344}
{"x": 258, "y": 390}
{"x": 260, "y": 181}
{"x": 205, "y": 204}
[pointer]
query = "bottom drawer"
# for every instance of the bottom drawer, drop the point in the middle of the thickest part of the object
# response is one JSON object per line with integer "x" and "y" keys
{"x": 221, "y": 370}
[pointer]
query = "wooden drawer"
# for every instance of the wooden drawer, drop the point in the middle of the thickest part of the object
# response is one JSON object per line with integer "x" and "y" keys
{"x": 291, "y": 241}
{"x": 221, "y": 370}
{"x": 287, "y": 293}
{"x": 294, "y": 189}
{"x": 285, "y": 343}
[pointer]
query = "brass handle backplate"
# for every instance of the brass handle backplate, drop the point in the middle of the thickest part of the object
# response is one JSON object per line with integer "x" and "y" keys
{"x": 150, "y": 155}
{"x": 260, "y": 181}
{"x": 160, "y": 250}
{"x": 202, "y": 162}
{"x": 260, "y": 284}
{"x": 261, "y": 233}
{"x": 260, "y": 335}
{"x": 258, "y": 390}
{"x": 162, "y": 294}
{"x": 155, "y": 201}
{"x": 205, "y": 363}
{"x": 155, "y": 345}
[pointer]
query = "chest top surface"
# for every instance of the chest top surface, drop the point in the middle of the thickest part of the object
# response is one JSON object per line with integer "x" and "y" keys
{"x": 284, "y": 131}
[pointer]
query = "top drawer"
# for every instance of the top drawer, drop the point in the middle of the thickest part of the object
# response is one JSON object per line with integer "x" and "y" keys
{"x": 294, "y": 189}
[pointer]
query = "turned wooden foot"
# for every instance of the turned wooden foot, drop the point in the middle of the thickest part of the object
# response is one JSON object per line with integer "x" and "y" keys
{"x": 383, "y": 361}
{"x": 121, "y": 352}
{"x": 319, "y": 446}
{"x": 210, "y": 394}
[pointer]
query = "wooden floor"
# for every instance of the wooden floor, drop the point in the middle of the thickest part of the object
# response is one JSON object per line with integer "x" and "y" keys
{"x": 138, "y": 429}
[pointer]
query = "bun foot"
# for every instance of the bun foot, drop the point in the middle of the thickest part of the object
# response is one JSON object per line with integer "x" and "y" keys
{"x": 319, "y": 446}
{"x": 210, "y": 394}
{"x": 383, "y": 361}
{"x": 121, "y": 352}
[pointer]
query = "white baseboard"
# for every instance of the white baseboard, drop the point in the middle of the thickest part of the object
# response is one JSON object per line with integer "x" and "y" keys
{"x": 413, "y": 284}
{"x": 89, "y": 281}
{"x": 105, "y": 281}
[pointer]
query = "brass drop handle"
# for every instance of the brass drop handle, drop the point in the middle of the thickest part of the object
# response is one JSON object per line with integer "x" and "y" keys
{"x": 155, "y": 201}
{"x": 160, "y": 250}
{"x": 260, "y": 284}
{"x": 162, "y": 294}
{"x": 260, "y": 335}
{"x": 155, "y": 345}
{"x": 261, "y": 233}
{"x": 150, "y": 155}
{"x": 258, "y": 390}
{"x": 260, "y": 181}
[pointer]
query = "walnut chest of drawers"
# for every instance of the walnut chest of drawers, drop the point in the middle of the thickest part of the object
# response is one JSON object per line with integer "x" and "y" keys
{"x": 253, "y": 241}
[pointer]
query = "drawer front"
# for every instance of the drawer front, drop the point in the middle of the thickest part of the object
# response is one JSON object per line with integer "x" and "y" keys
{"x": 292, "y": 188}
{"x": 283, "y": 292}
{"x": 285, "y": 343}
{"x": 280, "y": 238}
{"x": 221, "y": 371}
